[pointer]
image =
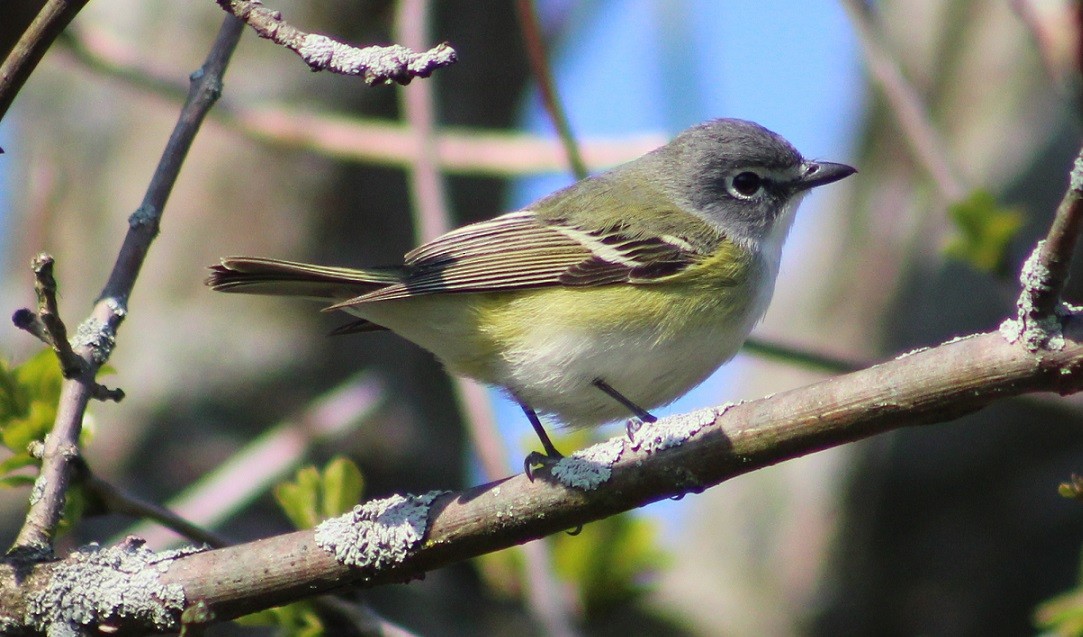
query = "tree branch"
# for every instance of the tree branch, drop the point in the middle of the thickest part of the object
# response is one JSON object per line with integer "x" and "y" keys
{"x": 376, "y": 64}
{"x": 398, "y": 539}
{"x": 95, "y": 337}
{"x": 1038, "y": 317}
{"x": 906, "y": 104}
{"x": 112, "y": 499}
{"x": 46, "y": 323}
{"x": 543, "y": 74}
{"x": 682, "y": 454}
{"x": 457, "y": 150}
{"x": 28, "y": 51}
{"x": 1055, "y": 253}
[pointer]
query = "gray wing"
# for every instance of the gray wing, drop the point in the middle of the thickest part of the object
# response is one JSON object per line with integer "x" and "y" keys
{"x": 520, "y": 251}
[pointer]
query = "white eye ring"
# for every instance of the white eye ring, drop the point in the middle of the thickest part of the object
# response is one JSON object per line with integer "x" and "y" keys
{"x": 745, "y": 184}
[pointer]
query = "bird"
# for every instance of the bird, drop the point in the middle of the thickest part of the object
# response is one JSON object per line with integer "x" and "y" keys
{"x": 606, "y": 299}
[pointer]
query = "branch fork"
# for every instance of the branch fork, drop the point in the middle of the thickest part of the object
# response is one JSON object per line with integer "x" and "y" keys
{"x": 1040, "y": 312}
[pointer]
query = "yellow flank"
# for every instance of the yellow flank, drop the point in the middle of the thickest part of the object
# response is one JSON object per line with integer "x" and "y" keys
{"x": 472, "y": 333}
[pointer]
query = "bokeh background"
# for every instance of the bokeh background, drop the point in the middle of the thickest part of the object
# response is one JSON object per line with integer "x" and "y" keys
{"x": 951, "y": 529}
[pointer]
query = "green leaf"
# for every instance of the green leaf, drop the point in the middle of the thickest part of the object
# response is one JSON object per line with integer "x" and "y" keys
{"x": 28, "y": 397}
{"x": 610, "y": 561}
{"x": 298, "y": 498}
{"x": 16, "y": 481}
{"x": 16, "y": 462}
{"x": 29, "y": 394}
{"x": 74, "y": 505}
{"x": 984, "y": 231}
{"x": 342, "y": 486}
{"x": 314, "y": 496}
{"x": 1061, "y": 615}
{"x": 294, "y": 620}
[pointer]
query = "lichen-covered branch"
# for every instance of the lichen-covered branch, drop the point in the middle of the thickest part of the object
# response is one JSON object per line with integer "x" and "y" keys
{"x": 376, "y": 64}
{"x": 679, "y": 455}
{"x": 1038, "y": 319}
{"x": 1055, "y": 253}
{"x": 399, "y": 538}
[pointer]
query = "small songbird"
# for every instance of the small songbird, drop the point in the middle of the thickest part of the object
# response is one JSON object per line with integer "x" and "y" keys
{"x": 605, "y": 299}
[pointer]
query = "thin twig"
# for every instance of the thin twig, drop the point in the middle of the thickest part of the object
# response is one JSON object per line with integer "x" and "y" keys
{"x": 47, "y": 326}
{"x": 906, "y": 104}
{"x": 95, "y": 338}
{"x": 35, "y": 41}
{"x": 427, "y": 189}
{"x": 113, "y": 499}
{"x": 457, "y": 150}
{"x": 539, "y": 64}
{"x": 269, "y": 458}
{"x": 376, "y": 64}
{"x": 801, "y": 357}
{"x": 49, "y": 316}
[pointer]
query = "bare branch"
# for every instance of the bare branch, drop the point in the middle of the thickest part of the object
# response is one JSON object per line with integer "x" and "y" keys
{"x": 28, "y": 51}
{"x": 376, "y": 64}
{"x": 116, "y": 500}
{"x": 543, "y": 74}
{"x": 799, "y": 357}
{"x": 457, "y": 150}
{"x": 705, "y": 449}
{"x": 47, "y": 326}
{"x": 94, "y": 339}
{"x": 906, "y": 104}
{"x": 270, "y": 458}
{"x": 47, "y": 319}
{"x": 1055, "y": 253}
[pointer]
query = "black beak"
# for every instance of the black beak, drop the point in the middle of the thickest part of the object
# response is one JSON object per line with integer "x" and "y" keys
{"x": 819, "y": 173}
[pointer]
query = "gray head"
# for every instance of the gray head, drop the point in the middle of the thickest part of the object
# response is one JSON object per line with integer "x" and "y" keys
{"x": 741, "y": 178}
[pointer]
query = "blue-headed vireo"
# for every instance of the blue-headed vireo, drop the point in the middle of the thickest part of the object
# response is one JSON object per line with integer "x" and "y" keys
{"x": 612, "y": 296}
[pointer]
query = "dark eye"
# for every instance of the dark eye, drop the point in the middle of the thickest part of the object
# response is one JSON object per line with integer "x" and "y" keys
{"x": 746, "y": 184}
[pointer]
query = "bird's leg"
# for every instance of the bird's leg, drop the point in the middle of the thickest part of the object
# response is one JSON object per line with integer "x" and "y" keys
{"x": 637, "y": 411}
{"x": 551, "y": 454}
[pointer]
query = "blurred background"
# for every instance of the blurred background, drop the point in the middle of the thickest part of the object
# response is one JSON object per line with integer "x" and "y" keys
{"x": 962, "y": 116}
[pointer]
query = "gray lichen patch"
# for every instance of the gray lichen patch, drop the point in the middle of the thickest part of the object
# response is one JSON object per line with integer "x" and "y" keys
{"x": 96, "y": 586}
{"x": 675, "y": 430}
{"x": 378, "y": 533}
{"x": 378, "y": 64}
{"x": 1034, "y": 331}
{"x": 587, "y": 468}
{"x": 97, "y": 336}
